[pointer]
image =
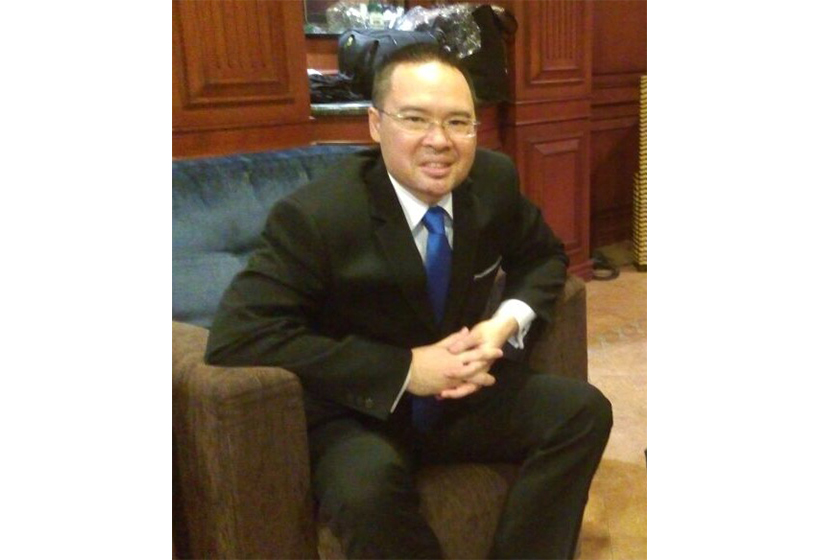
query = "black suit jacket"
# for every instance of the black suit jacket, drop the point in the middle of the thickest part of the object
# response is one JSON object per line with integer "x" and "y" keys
{"x": 337, "y": 292}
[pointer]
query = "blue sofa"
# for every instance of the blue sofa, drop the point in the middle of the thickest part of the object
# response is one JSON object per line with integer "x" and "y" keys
{"x": 219, "y": 207}
{"x": 240, "y": 457}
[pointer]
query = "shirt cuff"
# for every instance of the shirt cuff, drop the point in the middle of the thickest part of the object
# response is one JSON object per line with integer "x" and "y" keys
{"x": 402, "y": 391}
{"x": 524, "y": 316}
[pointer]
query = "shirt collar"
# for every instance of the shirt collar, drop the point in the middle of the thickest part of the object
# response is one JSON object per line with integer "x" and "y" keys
{"x": 414, "y": 208}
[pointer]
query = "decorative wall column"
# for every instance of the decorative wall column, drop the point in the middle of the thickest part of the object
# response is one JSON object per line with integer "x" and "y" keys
{"x": 547, "y": 125}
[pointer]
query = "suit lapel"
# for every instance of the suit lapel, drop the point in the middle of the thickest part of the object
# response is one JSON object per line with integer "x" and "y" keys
{"x": 465, "y": 242}
{"x": 397, "y": 244}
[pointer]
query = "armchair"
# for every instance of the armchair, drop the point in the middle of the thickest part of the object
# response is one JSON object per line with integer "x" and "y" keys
{"x": 241, "y": 481}
{"x": 241, "y": 465}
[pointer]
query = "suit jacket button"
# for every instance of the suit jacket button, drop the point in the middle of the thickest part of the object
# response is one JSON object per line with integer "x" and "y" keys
{"x": 368, "y": 403}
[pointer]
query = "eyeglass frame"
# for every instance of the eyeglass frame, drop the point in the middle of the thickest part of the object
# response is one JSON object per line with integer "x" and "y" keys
{"x": 400, "y": 119}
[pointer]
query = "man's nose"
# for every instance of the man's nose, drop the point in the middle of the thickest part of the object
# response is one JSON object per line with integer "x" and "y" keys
{"x": 437, "y": 136}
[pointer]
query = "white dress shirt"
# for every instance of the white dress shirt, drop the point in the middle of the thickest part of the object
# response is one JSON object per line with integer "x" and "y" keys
{"x": 414, "y": 210}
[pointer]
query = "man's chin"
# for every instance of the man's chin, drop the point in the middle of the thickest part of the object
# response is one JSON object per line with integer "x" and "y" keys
{"x": 436, "y": 189}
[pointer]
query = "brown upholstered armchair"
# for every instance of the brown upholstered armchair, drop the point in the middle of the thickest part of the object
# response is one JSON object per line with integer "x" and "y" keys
{"x": 241, "y": 466}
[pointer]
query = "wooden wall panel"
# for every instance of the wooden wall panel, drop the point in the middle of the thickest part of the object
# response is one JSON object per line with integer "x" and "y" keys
{"x": 552, "y": 51}
{"x": 615, "y": 153}
{"x": 620, "y": 28}
{"x": 553, "y": 162}
{"x": 619, "y": 61}
{"x": 547, "y": 123}
{"x": 237, "y": 64}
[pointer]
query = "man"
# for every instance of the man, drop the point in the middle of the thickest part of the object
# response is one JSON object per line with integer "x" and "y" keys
{"x": 370, "y": 286}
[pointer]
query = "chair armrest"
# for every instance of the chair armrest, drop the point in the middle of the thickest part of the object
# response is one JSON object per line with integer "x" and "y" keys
{"x": 560, "y": 347}
{"x": 240, "y": 458}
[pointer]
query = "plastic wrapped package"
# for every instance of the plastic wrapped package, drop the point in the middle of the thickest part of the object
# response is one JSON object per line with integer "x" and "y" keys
{"x": 344, "y": 15}
{"x": 474, "y": 33}
{"x": 460, "y": 34}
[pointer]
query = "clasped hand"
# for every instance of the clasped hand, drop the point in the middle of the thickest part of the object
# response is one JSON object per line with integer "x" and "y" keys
{"x": 459, "y": 365}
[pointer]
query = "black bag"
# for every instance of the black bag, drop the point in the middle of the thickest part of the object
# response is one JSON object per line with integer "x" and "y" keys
{"x": 488, "y": 65}
{"x": 361, "y": 50}
{"x": 331, "y": 88}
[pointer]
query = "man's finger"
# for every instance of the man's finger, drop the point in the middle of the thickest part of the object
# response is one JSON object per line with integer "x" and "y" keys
{"x": 482, "y": 353}
{"x": 474, "y": 361}
{"x": 474, "y": 384}
{"x": 454, "y": 338}
{"x": 460, "y": 391}
{"x": 468, "y": 371}
{"x": 462, "y": 342}
{"x": 483, "y": 379}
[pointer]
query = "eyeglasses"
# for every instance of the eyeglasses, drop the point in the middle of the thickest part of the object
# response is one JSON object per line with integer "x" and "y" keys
{"x": 457, "y": 127}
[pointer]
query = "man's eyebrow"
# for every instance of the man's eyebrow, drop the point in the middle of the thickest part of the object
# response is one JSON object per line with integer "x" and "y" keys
{"x": 412, "y": 108}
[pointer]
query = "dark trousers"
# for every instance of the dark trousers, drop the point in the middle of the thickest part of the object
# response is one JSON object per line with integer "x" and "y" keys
{"x": 557, "y": 428}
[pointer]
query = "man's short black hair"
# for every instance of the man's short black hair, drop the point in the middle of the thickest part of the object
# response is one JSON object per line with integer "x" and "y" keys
{"x": 418, "y": 53}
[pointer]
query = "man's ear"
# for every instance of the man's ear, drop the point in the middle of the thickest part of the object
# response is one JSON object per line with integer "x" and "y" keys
{"x": 374, "y": 121}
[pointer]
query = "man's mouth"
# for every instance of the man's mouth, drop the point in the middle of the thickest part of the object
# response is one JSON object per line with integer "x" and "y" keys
{"x": 436, "y": 169}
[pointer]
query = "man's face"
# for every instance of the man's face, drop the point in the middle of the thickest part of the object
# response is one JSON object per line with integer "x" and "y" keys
{"x": 433, "y": 163}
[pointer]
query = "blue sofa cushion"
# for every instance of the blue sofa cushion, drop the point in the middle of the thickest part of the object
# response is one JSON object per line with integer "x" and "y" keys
{"x": 219, "y": 207}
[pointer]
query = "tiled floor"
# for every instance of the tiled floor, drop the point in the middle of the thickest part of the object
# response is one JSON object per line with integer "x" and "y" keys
{"x": 615, "y": 522}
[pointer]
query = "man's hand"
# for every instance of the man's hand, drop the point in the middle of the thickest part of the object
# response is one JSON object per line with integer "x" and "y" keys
{"x": 494, "y": 332}
{"x": 457, "y": 365}
{"x": 489, "y": 334}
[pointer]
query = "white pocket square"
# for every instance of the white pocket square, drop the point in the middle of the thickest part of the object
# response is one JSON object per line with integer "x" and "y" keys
{"x": 493, "y": 267}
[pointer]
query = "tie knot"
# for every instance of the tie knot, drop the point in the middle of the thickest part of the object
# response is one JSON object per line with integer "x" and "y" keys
{"x": 433, "y": 220}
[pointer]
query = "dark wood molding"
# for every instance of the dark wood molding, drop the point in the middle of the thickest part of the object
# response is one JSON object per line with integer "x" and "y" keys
{"x": 535, "y": 112}
{"x": 238, "y": 140}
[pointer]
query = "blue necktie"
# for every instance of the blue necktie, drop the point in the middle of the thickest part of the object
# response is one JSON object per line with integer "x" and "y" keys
{"x": 438, "y": 260}
{"x": 425, "y": 410}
